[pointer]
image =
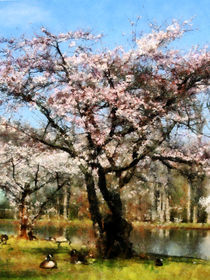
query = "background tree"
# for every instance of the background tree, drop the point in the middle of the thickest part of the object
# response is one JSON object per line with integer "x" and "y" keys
{"x": 121, "y": 105}
{"x": 6, "y": 210}
{"x": 193, "y": 176}
{"x": 27, "y": 170}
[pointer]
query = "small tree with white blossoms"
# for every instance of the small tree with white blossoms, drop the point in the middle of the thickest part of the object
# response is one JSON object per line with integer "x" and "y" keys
{"x": 205, "y": 202}
{"x": 122, "y": 106}
{"x": 27, "y": 170}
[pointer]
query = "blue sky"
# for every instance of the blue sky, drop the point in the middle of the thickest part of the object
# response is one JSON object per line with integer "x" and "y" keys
{"x": 110, "y": 17}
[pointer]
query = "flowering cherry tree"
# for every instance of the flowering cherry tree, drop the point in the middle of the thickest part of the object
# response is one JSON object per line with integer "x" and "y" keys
{"x": 111, "y": 110}
{"x": 27, "y": 170}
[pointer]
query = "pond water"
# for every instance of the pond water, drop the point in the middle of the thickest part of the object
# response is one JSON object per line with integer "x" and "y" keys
{"x": 172, "y": 242}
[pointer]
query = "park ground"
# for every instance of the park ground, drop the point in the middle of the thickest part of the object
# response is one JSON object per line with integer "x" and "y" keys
{"x": 20, "y": 259}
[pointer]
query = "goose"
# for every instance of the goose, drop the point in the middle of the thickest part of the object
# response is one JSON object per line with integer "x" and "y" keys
{"x": 48, "y": 263}
{"x": 59, "y": 240}
{"x": 31, "y": 236}
{"x": 158, "y": 262}
{"x": 78, "y": 257}
{"x": 3, "y": 239}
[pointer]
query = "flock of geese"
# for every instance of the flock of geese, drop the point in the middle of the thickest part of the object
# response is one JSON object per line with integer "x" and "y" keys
{"x": 76, "y": 257}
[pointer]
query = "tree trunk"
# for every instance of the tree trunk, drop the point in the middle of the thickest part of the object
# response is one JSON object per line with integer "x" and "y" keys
{"x": 115, "y": 228}
{"x": 189, "y": 203}
{"x": 66, "y": 198}
{"x": 94, "y": 211}
{"x": 153, "y": 212}
{"x": 159, "y": 204}
{"x": 165, "y": 202}
{"x": 112, "y": 231}
{"x": 60, "y": 203}
{"x": 23, "y": 220}
{"x": 161, "y": 207}
{"x": 195, "y": 214}
{"x": 167, "y": 210}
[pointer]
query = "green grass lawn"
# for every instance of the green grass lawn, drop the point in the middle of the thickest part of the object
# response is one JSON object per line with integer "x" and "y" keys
{"x": 20, "y": 260}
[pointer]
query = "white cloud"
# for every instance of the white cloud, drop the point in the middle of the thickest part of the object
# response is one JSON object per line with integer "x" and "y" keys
{"x": 19, "y": 14}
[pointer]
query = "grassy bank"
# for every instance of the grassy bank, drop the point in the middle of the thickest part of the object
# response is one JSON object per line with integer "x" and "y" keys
{"x": 56, "y": 221}
{"x": 20, "y": 260}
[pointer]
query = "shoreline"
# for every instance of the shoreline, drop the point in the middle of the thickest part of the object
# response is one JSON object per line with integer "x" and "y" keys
{"x": 88, "y": 223}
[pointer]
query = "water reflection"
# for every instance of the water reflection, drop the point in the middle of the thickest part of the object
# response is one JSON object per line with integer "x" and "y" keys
{"x": 70, "y": 232}
{"x": 172, "y": 242}
{"x": 8, "y": 228}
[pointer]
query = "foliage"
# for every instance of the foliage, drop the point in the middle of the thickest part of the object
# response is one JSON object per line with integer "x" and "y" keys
{"x": 111, "y": 98}
{"x": 110, "y": 110}
{"x": 30, "y": 175}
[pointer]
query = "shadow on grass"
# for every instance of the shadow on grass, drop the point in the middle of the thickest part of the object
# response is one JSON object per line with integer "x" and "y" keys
{"x": 46, "y": 250}
{"x": 185, "y": 259}
{"x": 19, "y": 275}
